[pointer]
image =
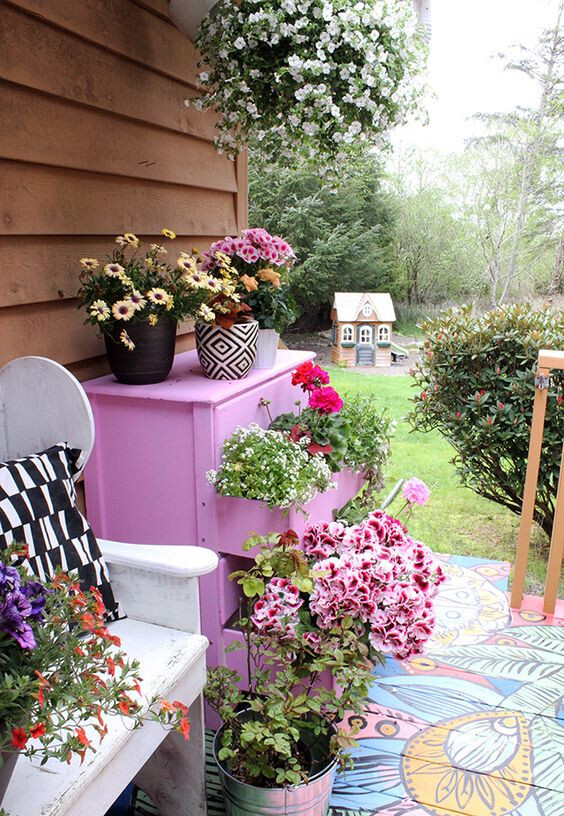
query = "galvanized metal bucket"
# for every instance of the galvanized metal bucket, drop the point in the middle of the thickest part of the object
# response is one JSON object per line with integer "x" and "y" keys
{"x": 311, "y": 799}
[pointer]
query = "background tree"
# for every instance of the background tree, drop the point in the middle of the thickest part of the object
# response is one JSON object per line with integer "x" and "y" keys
{"x": 341, "y": 230}
{"x": 508, "y": 185}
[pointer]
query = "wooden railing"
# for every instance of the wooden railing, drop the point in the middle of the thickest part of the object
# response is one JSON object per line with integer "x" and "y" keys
{"x": 548, "y": 361}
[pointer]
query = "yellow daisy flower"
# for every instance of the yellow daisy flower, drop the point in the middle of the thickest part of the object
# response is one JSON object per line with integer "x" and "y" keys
{"x": 90, "y": 263}
{"x": 158, "y": 296}
{"x": 206, "y": 314}
{"x": 168, "y": 233}
{"x": 197, "y": 280}
{"x": 137, "y": 299}
{"x": 131, "y": 239}
{"x": 114, "y": 270}
{"x": 123, "y": 310}
{"x": 100, "y": 310}
{"x": 153, "y": 320}
{"x": 126, "y": 340}
{"x": 187, "y": 263}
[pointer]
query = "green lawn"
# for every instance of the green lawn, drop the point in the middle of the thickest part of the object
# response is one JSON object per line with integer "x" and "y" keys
{"x": 456, "y": 520}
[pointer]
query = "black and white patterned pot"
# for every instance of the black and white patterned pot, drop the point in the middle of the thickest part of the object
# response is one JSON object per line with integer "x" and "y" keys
{"x": 227, "y": 354}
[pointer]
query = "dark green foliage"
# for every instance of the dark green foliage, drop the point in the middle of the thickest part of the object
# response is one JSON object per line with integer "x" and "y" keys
{"x": 476, "y": 385}
{"x": 341, "y": 231}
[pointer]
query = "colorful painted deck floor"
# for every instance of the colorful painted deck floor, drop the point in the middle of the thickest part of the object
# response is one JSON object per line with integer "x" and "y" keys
{"x": 476, "y": 726}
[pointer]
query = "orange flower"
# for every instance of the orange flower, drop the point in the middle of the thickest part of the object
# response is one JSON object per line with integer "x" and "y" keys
{"x": 184, "y": 728}
{"x": 271, "y": 275}
{"x": 37, "y": 730}
{"x": 81, "y": 734}
{"x": 88, "y": 621}
{"x": 180, "y": 707}
{"x": 166, "y": 706}
{"x": 249, "y": 283}
{"x": 111, "y": 666}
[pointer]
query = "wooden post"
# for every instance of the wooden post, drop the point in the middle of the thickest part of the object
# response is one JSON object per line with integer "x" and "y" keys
{"x": 556, "y": 547}
{"x": 530, "y": 490}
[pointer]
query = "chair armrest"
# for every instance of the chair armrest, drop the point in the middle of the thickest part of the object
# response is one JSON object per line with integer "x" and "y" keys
{"x": 158, "y": 584}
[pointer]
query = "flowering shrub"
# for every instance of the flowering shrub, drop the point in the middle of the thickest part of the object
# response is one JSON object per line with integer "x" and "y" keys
{"x": 261, "y": 261}
{"x": 131, "y": 288}
{"x": 269, "y": 467}
{"x": 308, "y": 77}
{"x": 336, "y": 604}
{"x": 61, "y": 669}
{"x": 476, "y": 385}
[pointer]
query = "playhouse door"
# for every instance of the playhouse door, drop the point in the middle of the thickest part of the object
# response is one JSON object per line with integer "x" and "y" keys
{"x": 365, "y": 346}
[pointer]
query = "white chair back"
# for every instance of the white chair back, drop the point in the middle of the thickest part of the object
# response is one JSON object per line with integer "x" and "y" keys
{"x": 41, "y": 403}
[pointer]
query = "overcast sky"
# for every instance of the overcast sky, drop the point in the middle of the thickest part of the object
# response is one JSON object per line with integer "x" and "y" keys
{"x": 463, "y": 71}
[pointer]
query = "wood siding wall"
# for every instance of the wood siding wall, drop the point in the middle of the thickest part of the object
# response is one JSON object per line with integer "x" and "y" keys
{"x": 95, "y": 140}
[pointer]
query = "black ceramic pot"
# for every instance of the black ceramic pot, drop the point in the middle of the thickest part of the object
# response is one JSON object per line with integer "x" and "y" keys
{"x": 151, "y": 359}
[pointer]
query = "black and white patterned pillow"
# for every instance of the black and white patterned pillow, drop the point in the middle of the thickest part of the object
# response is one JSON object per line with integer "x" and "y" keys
{"x": 38, "y": 508}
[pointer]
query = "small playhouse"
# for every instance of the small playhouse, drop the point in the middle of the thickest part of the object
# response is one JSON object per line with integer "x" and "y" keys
{"x": 361, "y": 334}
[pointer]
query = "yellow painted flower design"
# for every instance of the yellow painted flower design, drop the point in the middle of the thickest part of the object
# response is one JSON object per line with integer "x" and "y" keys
{"x": 468, "y": 764}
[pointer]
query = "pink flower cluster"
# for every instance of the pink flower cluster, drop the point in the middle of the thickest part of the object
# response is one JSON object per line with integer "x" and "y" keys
{"x": 325, "y": 400}
{"x": 376, "y": 573}
{"x": 253, "y": 246}
{"x": 314, "y": 380}
{"x": 416, "y": 491}
{"x": 276, "y": 612}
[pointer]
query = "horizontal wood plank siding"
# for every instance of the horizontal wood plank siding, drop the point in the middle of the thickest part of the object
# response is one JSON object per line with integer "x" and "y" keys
{"x": 95, "y": 140}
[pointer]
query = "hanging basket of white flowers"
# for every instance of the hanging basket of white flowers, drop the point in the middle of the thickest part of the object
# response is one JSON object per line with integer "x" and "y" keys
{"x": 309, "y": 78}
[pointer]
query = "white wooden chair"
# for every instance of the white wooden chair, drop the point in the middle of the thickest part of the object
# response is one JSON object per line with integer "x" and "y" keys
{"x": 41, "y": 404}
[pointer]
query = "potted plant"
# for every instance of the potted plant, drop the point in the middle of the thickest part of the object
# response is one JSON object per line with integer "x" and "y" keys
{"x": 268, "y": 466}
{"x": 136, "y": 300}
{"x": 262, "y": 262}
{"x": 226, "y": 333}
{"x": 328, "y": 608}
{"x": 309, "y": 80}
{"x": 61, "y": 670}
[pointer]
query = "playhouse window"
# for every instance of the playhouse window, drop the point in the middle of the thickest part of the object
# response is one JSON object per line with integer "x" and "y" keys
{"x": 384, "y": 334}
{"x": 347, "y": 334}
{"x": 367, "y": 310}
{"x": 365, "y": 335}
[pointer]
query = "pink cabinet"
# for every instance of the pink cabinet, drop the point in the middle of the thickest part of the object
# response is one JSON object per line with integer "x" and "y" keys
{"x": 146, "y": 480}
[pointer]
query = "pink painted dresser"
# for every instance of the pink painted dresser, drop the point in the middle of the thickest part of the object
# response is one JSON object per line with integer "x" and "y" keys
{"x": 146, "y": 480}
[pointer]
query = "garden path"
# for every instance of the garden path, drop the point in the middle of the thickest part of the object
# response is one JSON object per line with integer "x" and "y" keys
{"x": 473, "y": 727}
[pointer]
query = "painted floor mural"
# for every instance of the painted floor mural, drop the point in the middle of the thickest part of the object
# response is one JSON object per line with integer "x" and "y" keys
{"x": 474, "y": 727}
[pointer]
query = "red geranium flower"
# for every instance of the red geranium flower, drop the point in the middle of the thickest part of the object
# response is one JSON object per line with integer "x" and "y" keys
{"x": 325, "y": 400}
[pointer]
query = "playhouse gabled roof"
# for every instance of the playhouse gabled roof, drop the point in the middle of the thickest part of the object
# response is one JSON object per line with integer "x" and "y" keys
{"x": 348, "y": 305}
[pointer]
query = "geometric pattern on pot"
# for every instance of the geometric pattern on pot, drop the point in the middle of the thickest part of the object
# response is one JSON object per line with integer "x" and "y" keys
{"x": 38, "y": 508}
{"x": 227, "y": 354}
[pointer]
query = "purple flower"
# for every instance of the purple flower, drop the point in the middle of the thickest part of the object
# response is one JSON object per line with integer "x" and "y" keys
{"x": 14, "y": 609}
{"x": 416, "y": 492}
{"x": 36, "y": 594}
{"x": 9, "y": 578}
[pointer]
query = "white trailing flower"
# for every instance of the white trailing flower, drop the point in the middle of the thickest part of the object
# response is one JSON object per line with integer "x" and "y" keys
{"x": 344, "y": 71}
